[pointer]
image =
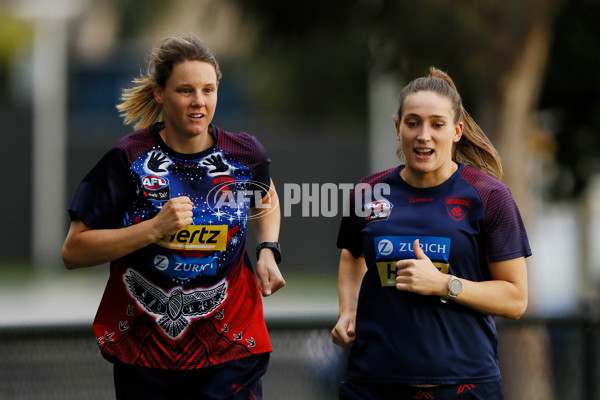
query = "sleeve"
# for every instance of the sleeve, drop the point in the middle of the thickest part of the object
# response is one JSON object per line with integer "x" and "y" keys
{"x": 260, "y": 169}
{"x": 349, "y": 235}
{"x": 506, "y": 237}
{"x": 102, "y": 195}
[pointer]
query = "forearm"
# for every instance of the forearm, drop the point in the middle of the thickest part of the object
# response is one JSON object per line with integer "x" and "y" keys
{"x": 504, "y": 295}
{"x": 500, "y": 298}
{"x": 351, "y": 273}
{"x": 266, "y": 217}
{"x": 86, "y": 247}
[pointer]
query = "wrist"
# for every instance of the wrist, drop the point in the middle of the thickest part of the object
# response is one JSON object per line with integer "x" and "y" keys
{"x": 454, "y": 288}
{"x": 271, "y": 247}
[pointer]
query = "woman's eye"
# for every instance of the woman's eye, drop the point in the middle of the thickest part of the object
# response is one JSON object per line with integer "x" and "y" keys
{"x": 412, "y": 124}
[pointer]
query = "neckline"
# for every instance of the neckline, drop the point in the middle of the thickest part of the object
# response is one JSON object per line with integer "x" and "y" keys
{"x": 448, "y": 181}
{"x": 157, "y": 127}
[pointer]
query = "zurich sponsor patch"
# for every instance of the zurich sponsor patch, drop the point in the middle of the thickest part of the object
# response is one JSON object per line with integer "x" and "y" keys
{"x": 402, "y": 247}
{"x": 184, "y": 267}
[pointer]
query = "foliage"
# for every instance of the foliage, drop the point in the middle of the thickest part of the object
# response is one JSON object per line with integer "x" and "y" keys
{"x": 570, "y": 94}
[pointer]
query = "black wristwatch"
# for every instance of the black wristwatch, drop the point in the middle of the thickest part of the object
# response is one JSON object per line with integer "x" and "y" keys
{"x": 274, "y": 246}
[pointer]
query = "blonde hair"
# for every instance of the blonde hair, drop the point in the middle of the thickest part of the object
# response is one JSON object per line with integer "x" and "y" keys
{"x": 474, "y": 147}
{"x": 138, "y": 103}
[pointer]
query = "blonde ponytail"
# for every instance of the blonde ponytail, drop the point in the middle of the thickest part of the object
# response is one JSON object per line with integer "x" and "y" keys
{"x": 138, "y": 103}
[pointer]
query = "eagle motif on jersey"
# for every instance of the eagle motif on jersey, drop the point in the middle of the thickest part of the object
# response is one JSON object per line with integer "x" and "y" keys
{"x": 176, "y": 308}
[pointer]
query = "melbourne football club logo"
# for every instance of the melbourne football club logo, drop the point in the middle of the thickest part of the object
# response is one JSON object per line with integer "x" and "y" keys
{"x": 378, "y": 210}
{"x": 176, "y": 308}
{"x": 458, "y": 207}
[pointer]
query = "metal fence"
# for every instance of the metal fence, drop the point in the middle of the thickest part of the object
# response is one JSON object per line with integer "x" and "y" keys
{"x": 540, "y": 358}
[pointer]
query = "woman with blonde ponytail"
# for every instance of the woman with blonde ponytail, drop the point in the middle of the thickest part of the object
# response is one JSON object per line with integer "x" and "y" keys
{"x": 181, "y": 316}
{"x": 436, "y": 249}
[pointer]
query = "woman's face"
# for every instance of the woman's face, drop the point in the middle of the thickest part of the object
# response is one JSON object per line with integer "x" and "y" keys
{"x": 189, "y": 99}
{"x": 427, "y": 133}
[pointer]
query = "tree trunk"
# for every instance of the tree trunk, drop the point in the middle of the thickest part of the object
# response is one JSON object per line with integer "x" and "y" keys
{"x": 530, "y": 377}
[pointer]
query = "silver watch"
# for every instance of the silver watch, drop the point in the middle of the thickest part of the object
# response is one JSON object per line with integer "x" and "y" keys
{"x": 454, "y": 288}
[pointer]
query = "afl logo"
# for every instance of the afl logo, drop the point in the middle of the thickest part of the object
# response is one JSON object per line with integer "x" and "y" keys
{"x": 378, "y": 210}
{"x": 385, "y": 247}
{"x": 152, "y": 182}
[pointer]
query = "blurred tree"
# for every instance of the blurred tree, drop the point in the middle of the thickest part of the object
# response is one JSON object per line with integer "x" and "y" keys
{"x": 570, "y": 92}
{"x": 135, "y": 16}
{"x": 16, "y": 35}
{"x": 311, "y": 58}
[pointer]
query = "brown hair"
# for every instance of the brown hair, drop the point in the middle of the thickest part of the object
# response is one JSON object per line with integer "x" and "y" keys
{"x": 474, "y": 147}
{"x": 138, "y": 103}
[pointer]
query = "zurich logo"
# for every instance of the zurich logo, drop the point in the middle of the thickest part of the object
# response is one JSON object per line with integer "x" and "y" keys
{"x": 385, "y": 247}
{"x": 161, "y": 262}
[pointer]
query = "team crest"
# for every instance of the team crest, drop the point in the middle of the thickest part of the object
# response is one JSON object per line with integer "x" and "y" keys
{"x": 379, "y": 210}
{"x": 458, "y": 207}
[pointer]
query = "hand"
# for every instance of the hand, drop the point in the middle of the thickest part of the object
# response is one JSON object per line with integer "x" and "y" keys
{"x": 216, "y": 161}
{"x": 156, "y": 161}
{"x": 268, "y": 273}
{"x": 344, "y": 333}
{"x": 420, "y": 275}
{"x": 174, "y": 215}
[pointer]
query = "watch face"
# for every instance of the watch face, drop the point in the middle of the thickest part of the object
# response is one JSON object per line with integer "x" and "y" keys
{"x": 455, "y": 286}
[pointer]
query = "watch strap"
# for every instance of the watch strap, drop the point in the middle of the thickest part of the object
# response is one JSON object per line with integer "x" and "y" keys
{"x": 274, "y": 246}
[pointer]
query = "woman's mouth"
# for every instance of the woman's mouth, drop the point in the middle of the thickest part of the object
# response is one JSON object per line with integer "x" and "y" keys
{"x": 424, "y": 152}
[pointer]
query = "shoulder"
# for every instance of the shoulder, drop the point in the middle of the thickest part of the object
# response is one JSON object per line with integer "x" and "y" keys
{"x": 135, "y": 144}
{"x": 494, "y": 194}
{"x": 242, "y": 140}
{"x": 377, "y": 177}
{"x": 244, "y": 147}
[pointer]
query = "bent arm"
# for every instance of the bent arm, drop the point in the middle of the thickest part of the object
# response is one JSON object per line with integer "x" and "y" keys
{"x": 351, "y": 273}
{"x": 86, "y": 247}
{"x": 505, "y": 295}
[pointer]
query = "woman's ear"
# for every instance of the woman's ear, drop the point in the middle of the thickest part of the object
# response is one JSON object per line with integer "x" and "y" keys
{"x": 458, "y": 132}
{"x": 398, "y": 130}
{"x": 158, "y": 93}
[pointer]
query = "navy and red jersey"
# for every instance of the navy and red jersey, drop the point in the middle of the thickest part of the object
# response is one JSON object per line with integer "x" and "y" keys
{"x": 191, "y": 299}
{"x": 462, "y": 225}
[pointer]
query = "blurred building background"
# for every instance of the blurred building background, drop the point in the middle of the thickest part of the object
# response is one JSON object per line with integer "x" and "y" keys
{"x": 317, "y": 82}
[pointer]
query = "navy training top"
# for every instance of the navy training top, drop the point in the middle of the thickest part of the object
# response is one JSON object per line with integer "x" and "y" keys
{"x": 462, "y": 225}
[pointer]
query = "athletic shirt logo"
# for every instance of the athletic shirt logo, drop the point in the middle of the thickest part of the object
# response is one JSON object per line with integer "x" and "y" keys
{"x": 458, "y": 207}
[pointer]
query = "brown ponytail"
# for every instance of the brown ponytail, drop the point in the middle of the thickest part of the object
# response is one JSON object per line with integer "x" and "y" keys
{"x": 474, "y": 147}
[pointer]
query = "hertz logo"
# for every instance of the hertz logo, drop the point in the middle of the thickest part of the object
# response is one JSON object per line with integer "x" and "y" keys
{"x": 197, "y": 237}
{"x": 387, "y": 271}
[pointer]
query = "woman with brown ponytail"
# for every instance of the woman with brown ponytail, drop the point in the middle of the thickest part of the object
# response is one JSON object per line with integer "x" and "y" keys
{"x": 427, "y": 265}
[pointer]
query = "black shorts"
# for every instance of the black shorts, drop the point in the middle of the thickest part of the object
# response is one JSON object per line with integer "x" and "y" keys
{"x": 234, "y": 380}
{"x": 350, "y": 390}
